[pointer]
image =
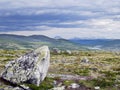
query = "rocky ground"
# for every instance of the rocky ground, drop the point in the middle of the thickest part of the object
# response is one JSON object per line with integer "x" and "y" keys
{"x": 73, "y": 70}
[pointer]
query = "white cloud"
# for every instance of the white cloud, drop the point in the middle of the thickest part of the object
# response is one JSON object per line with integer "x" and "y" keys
{"x": 72, "y": 32}
{"x": 61, "y": 3}
{"x": 103, "y": 24}
{"x": 41, "y": 3}
{"x": 78, "y": 7}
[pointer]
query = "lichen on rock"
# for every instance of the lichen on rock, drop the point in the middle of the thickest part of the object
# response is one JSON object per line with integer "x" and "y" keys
{"x": 30, "y": 68}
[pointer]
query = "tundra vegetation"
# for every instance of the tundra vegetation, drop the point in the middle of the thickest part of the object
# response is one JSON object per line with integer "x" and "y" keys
{"x": 101, "y": 68}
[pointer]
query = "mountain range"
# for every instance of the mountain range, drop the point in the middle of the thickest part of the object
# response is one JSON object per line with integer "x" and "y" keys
{"x": 101, "y": 44}
{"x": 8, "y": 41}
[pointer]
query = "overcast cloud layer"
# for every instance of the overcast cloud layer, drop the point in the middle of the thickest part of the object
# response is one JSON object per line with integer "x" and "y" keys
{"x": 65, "y": 18}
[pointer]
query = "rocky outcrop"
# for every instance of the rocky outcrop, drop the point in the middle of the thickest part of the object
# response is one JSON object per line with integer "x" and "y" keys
{"x": 29, "y": 68}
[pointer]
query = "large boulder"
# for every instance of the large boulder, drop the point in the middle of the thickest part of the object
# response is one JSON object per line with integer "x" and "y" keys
{"x": 30, "y": 68}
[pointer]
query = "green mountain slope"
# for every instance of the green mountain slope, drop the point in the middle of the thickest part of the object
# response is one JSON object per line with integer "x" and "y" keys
{"x": 29, "y": 42}
{"x": 104, "y": 44}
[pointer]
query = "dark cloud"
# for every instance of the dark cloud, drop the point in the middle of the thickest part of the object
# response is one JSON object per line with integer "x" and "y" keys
{"x": 41, "y": 15}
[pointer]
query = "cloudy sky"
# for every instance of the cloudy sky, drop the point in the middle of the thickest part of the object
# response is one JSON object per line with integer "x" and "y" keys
{"x": 65, "y": 18}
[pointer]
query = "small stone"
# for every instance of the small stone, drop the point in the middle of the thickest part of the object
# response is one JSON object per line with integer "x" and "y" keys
{"x": 85, "y": 60}
{"x": 56, "y": 51}
{"x": 1, "y": 89}
{"x": 68, "y": 52}
{"x": 75, "y": 85}
{"x": 97, "y": 88}
{"x": 58, "y": 88}
{"x": 25, "y": 87}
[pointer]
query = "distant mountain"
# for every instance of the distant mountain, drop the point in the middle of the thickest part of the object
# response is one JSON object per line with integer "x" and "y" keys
{"x": 8, "y": 41}
{"x": 57, "y": 37}
{"x": 104, "y": 44}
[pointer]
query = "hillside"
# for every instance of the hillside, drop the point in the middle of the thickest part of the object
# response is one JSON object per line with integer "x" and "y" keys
{"x": 104, "y": 44}
{"x": 8, "y": 41}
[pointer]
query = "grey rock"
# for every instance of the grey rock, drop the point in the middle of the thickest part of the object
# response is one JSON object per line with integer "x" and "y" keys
{"x": 56, "y": 51}
{"x": 97, "y": 88}
{"x": 85, "y": 60}
{"x": 68, "y": 52}
{"x": 12, "y": 88}
{"x": 75, "y": 85}
{"x": 25, "y": 87}
{"x": 58, "y": 88}
{"x": 1, "y": 89}
{"x": 22, "y": 87}
{"x": 30, "y": 68}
